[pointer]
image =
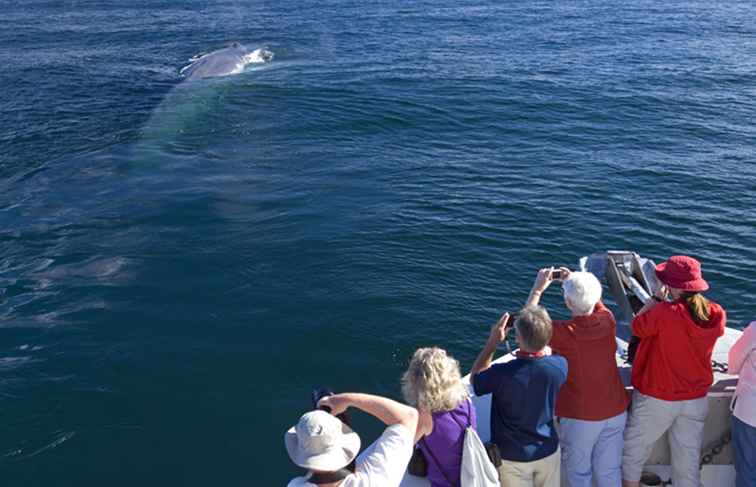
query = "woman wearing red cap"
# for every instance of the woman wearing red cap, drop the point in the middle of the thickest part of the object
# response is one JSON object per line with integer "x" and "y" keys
{"x": 672, "y": 372}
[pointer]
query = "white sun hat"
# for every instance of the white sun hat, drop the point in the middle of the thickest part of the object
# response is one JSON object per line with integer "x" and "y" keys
{"x": 321, "y": 442}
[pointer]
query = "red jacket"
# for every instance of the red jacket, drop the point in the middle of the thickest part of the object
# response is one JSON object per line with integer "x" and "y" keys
{"x": 673, "y": 361}
{"x": 593, "y": 390}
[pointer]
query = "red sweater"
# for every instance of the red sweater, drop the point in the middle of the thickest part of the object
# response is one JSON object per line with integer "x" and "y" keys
{"x": 593, "y": 390}
{"x": 673, "y": 361}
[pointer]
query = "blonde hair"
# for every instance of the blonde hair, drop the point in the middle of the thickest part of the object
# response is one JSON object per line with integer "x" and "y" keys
{"x": 433, "y": 382}
{"x": 698, "y": 306}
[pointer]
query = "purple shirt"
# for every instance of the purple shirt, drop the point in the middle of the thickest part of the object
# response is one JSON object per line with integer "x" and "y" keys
{"x": 443, "y": 447}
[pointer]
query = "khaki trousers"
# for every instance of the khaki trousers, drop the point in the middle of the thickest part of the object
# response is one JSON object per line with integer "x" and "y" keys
{"x": 539, "y": 473}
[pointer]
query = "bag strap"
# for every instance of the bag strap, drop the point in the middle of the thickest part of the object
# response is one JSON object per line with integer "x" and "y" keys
{"x": 435, "y": 460}
{"x": 469, "y": 413}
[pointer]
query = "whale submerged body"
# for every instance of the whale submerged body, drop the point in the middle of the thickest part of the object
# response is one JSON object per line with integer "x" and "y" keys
{"x": 191, "y": 103}
{"x": 223, "y": 62}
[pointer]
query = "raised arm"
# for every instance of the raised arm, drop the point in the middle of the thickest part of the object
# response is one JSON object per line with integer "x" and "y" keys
{"x": 384, "y": 462}
{"x": 387, "y": 410}
{"x": 542, "y": 281}
{"x": 645, "y": 323}
{"x": 498, "y": 334}
{"x": 659, "y": 296}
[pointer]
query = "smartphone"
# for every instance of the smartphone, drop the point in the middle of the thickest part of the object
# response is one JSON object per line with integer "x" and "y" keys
{"x": 556, "y": 275}
{"x": 510, "y": 321}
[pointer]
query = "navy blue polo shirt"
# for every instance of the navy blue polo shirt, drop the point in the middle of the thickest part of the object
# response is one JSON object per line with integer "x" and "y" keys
{"x": 522, "y": 406}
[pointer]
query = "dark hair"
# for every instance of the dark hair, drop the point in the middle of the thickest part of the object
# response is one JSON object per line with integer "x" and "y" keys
{"x": 698, "y": 306}
{"x": 534, "y": 326}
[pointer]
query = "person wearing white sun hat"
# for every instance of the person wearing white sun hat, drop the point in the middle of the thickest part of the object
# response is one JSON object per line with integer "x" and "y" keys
{"x": 325, "y": 446}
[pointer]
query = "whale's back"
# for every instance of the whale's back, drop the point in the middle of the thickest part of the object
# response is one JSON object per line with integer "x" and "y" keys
{"x": 224, "y": 62}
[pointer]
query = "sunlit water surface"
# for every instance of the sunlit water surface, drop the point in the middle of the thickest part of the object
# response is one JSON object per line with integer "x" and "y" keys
{"x": 181, "y": 261}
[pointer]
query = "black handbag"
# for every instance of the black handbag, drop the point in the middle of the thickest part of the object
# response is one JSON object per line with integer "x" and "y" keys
{"x": 418, "y": 465}
{"x": 493, "y": 454}
{"x": 421, "y": 464}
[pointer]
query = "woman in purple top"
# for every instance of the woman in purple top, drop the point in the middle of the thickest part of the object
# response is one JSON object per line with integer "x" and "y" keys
{"x": 433, "y": 384}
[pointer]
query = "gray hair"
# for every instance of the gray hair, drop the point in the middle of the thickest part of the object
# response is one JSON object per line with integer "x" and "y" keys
{"x": 533, "y": 324}
{"x": 583, "y": 290}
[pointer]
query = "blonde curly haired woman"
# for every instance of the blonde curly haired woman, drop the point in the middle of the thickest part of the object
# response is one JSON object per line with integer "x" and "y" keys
{"x": 433, "y": 384}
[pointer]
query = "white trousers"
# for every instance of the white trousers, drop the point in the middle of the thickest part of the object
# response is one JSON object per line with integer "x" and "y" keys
{"x": 649, "y": 419}
{"x": 592, "y": 450}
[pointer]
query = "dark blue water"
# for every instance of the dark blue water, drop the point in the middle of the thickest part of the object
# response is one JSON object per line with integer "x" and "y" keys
{"x": 181, "y": 262}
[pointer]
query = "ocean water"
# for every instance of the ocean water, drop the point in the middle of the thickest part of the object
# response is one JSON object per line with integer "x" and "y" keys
{"x": 180, "y": 262}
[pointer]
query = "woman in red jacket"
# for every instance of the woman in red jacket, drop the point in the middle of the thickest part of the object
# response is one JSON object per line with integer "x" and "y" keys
{"x": 672, "y": 372}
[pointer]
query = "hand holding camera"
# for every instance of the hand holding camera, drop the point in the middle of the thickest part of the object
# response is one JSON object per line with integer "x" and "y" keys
{"x": 499, "y": 330}
{"x": 560, "y": 274}
{"x": 333, "y": 404}
{"x": 324, "y": 399}
{"x": 547, "y": 275}
{"x": 662, "y": 294}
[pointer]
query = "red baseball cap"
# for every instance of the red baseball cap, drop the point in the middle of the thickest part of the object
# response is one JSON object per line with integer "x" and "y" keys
{"x": 682, "y": 272}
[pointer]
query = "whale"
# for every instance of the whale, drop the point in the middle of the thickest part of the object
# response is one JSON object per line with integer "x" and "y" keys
{"x": 224, "y": 62}
{"x": 199, "y": 96}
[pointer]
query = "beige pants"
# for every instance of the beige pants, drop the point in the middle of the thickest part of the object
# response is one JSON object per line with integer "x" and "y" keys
{"x": 540, "y": 473}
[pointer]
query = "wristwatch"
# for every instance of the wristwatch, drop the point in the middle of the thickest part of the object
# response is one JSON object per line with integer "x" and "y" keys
{"x": 657, "y": 298}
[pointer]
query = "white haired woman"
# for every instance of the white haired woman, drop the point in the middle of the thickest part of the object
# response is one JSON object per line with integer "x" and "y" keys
{"x": 592, "y": 403}
{"x": 433, "y": 384}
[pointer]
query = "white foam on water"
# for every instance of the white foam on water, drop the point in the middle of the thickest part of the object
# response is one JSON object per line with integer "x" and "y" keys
{"x": 181, "y": 71}
{"x": 258, "y": 56}
{"x": 59, "y": 440}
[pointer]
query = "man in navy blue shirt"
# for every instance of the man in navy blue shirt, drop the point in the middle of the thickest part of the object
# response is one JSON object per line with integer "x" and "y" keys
{"x": 524, "y": 395}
